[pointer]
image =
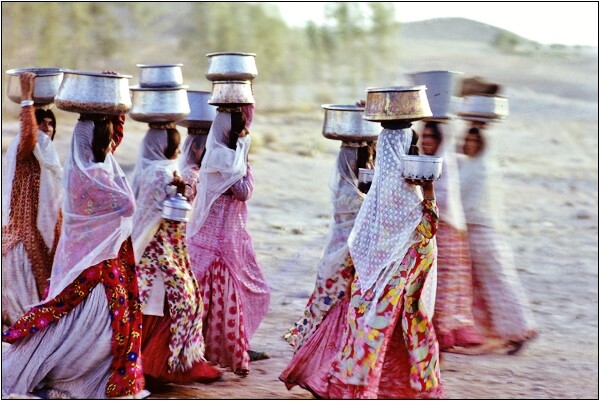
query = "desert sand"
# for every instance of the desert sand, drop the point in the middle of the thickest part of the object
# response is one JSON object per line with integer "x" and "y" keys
{"x": 547, "y": 150}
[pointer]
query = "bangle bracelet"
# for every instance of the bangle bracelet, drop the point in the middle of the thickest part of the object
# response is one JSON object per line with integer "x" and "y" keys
{"x": 430, "y": 198}
{"x": 26, "y": 103}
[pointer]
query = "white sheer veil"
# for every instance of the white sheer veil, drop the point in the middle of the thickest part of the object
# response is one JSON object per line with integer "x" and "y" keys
{"x": 385, "y": 226}
{"x": 187, "y": 158}
{"x": 447, "y": 188}
{"x": 221, "y": 168}
{"x": 149, "y": 189}
{"x": 97, "y": 212}
{"x": 51, "y": 192}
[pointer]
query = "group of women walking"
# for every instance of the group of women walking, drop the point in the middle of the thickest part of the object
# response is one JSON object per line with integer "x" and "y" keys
{"x": 408, "y": 272}
{"x": 104, "y": 296}
{"x": 130, "y": 299}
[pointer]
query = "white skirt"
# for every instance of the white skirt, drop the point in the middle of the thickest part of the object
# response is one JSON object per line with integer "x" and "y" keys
{"x": 19, "y": 289}
{"x": 71, "y": 357}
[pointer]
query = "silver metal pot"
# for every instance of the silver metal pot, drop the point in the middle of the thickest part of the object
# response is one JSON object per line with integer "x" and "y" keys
{"x": 227, "y": 92}
{"x": 231, "y": 66}
{"x": 484, "y": 108}
{"x": 160, "y": 75}
{"x": 421, "y": 167}
{"x": 176, "y": 208}
{"x": 442, "y": 90}
{"x": 202, "y": 114}
{"x": 45, "y": 85}
{"x": 345, "y": 122}
{"x": 397, "y": 103}
{"x": 159, "y": 104}
{"x": 92, "y": 92}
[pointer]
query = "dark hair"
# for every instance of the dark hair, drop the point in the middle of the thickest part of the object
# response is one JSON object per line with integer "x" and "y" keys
{"x": 41, "y": 114}
{"x": 173, "y": 140}
{"x": 103, "y": 132}
{"x": 414, "y": 149}
{"x": 475, "y": 131}
{"x": 238, "y": 124}
{"x": 436, "y": 133}
{"x": 365, "y": 154}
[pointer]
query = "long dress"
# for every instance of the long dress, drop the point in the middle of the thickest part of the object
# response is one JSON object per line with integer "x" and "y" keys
{"x": 31, "y": 217}
{"x": 454, "y": 321}
{"x": 172, "y": 341}
{"x": 315, "y": 348}
{"x": 386, "y": 358}
{"x": 84, "y": 340}
{"x": 234, "y": 290}
{"x": 504, "y": 310}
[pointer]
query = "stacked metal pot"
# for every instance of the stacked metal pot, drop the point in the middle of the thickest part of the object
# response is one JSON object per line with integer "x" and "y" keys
{"x": 232, "y": 74}
{"x": 160, "y": 96}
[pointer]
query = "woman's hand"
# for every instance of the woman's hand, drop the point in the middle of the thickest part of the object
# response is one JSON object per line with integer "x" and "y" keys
{"x": 427, "y": 185}
{"x": 27, "y": 79}
{"x": 178, "y": 182}
{"x": 361, "y": 103}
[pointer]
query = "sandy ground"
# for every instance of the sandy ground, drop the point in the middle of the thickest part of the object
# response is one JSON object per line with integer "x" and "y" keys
{"x": 548, "y": 153}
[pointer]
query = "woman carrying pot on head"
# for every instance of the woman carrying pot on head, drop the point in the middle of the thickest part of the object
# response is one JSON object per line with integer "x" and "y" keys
{"x": 454, "y": 321}
{"x": 388, "y": 348}
{"x": 497, "y": 288}
{"x": 235, "y": 293}
{"x": 172, "y": 340}
{"x": 316, "y": 336}
{"x": 93, "y": 290}
{"x": 31, "y": 201}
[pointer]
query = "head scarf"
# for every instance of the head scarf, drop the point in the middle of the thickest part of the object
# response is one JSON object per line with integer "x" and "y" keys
{"x": 477, "y": 173}
{"x": 385, "y": 226}
{"x": 187, "y": 158}
{"x": 447, "y": 188}
{"x": 51, "y": 192}
{"x": 152, "y": 174}
{"x": 97, "y": 213}
{"x": 221, "y": 168}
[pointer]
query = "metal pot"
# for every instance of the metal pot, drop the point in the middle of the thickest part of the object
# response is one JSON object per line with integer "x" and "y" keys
{"x": 45, "y": 85}
{"x": 228, "y": 92}
{"x": 397, "y": 103}
{"x": 231, "y": 66}
{"x": 442, "y": 88}
{"x": 484, "y": 107}
{"x": 160, "y": 75}
{"x": 92, "y": 92}
{"x": 345, "y": 122}
{"x": 152, "y": 105}
{"x": 421, "y": 167}
{"x": 202, "y": 114}
{"x": 176, "y": 208}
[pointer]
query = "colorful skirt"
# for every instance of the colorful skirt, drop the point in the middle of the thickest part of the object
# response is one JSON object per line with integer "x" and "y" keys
{"x": 173, "y": 344}
{"x": 454, "y": 322}
{"x": 101, "y": 302}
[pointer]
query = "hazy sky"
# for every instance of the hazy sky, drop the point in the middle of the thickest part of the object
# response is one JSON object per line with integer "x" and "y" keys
{"x": 568, "y": 23}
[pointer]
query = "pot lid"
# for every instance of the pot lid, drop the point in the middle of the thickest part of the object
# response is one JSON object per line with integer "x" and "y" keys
{"x": 178, "y": 201}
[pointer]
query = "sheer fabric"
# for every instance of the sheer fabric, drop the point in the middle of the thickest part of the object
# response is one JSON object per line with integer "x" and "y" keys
{"x": 51, "y": 192}
{"x": 333, "y": 274}
{"x": 221, "y": 168}
{"x": 97, "y": 216}
{"x": 386, "y": 223}
{"x": 152, "y": 175}
{"x": 188, "y": 158}
{"x": 501, "y": 303}
{"x": 447, "y": 189}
